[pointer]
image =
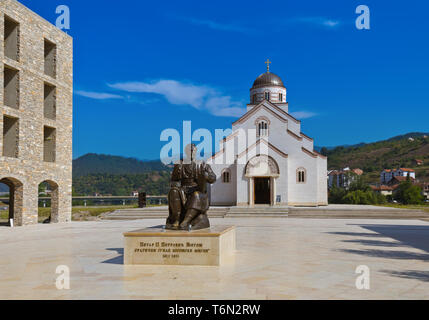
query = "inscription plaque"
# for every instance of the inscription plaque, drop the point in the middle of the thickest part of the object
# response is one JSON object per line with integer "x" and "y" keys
{"x": 156, "y": 246}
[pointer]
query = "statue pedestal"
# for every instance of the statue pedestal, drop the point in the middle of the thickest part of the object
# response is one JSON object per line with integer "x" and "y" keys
{"x": 156, "y": 246}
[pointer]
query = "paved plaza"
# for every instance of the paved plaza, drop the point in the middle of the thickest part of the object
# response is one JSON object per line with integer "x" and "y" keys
{"x": 275, "y": 259}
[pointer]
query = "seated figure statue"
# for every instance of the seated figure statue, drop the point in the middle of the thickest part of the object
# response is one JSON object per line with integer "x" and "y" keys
{"x": 188, "y": 199}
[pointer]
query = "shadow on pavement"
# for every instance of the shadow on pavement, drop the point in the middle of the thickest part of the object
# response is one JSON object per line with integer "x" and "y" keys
{"x": 404, "y": 236}
{"x": 117, "y": 260}
{"x": 410, "y": 274}
{"x": 376, "y": 243}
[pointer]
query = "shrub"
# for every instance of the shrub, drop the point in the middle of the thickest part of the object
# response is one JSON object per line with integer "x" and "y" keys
{"x": 407, "y": 193}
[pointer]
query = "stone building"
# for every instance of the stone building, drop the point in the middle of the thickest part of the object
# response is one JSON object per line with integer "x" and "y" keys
{"x": 268, "y": 160}
{"x": 36, "y": 110}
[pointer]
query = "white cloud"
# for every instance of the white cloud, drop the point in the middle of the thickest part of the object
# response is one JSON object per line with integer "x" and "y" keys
{"x": 175, "y": 92}
{"x": 218, "y": 26}
{"x": 303, "y": 114}
{"x": 98, "y": 95}
{"x": 180, "y": 93}
{"x": 318, "y": 21}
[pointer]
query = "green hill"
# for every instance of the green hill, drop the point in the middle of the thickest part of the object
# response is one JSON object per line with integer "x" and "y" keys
{"x": 99, "y": 163}
{"x": 119, "y": 176}
{"x": 400, "y": 151}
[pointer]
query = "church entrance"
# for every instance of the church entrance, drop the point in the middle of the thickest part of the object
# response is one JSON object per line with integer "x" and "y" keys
{"x": 262, "y": 191}
{"x": 262, "y": 172}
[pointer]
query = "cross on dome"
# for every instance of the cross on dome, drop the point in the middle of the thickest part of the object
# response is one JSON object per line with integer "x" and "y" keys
{"x": 268, "y": 62}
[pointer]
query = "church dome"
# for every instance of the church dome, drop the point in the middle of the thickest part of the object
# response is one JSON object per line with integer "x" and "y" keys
{"x": 268, "y": 79}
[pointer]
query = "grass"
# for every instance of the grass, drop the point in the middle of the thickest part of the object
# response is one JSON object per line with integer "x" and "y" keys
{"x": 424, "y": 207}
{"x": 78, "y": 213}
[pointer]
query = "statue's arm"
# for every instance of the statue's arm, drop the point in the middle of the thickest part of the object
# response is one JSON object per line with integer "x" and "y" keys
{"x": 210, "y": 175}
{"x": 175, "y": 176}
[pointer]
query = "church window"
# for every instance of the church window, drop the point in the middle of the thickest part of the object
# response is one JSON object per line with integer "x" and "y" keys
{"x": 301, "y": 175}
{"x": 226, "y": 177}
{"x": 262, "y": 129}
{"x": 281, "y": 97}
{"x": 267, "y": 96}
{"x": 254, "y": 98}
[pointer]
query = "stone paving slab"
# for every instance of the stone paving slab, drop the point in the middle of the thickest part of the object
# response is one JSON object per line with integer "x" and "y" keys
{"x": 275, "y": 259}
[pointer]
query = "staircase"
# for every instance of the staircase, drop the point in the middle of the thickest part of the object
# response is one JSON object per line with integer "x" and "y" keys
{"x": 258, "y": 212}
{"x": 154, "y": 213}
{"x": 331, "y": 212}
{"x": 214, "y": 212}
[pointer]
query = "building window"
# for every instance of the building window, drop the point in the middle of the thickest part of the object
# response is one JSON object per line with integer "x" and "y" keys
{"x": 281, "y": 97}
{"x": 267, "y": 96}
{"x": 50, "y": 106}
{"x": 50, "y": 58}
{"x": 254, "y": 98}
{"x": 262, "y": 129}
{"x": 301, "y": 175}
{"x": 49, "y": 144}
{"x": 11, "y": 87}
{"x": 11, "y": 38}
{"x": 10, "y": 137}
{"x": 226, "y": 176}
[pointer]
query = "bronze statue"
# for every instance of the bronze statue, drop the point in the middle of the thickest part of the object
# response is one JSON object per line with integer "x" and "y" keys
{"x": 188, "y": 199}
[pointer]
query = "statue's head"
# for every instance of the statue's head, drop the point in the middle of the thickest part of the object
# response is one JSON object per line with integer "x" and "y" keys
{"x": 191, "y": 153}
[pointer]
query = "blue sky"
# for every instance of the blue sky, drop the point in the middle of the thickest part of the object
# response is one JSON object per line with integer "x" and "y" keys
{"x": 145, "y": 66}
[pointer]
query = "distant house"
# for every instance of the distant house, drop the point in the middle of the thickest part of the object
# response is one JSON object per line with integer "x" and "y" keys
{"x": 383, "y": 189}
{"x": 388, "y": 174}
{"x": 343, "y": 178}
{"x": 418, "y": 162}
{"x": 425, "y": 188}
{"x": 134, "y": 194}
{"x": 398, "y": 179}
{"x": 391, "y": 186}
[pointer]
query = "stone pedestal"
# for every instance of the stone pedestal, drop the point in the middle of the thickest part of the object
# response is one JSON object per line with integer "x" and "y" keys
{"x": 156, "y": 246}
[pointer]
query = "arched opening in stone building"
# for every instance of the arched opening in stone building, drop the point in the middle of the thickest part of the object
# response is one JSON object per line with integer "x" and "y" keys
{"x": 11, "y": 201}
{"x": 48, "y": 202}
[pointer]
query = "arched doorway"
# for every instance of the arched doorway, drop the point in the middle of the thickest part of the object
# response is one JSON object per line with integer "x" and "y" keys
{"x": 15, "y": 200}
{"x": 262, "y": 172}
{"x": 48, "y": 202}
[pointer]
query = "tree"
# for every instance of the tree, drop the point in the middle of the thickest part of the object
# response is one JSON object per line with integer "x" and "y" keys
{"x": 358, "y": 193}
{"x": 358, "y": 183}
{"x": 407, "y": 193}
{"x": 336, "y": 194}
{"x": 324, "y": 151}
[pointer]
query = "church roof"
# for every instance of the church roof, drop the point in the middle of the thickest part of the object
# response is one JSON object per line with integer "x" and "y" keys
{"x": 284, "y": 115}
{"x": 268, "y": 79}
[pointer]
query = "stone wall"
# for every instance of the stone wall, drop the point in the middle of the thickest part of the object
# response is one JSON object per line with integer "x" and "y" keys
{"x": 28, "y": 169}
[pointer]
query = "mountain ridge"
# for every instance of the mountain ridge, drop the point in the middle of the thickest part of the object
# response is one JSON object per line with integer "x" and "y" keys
{"x": 93, "y": 163}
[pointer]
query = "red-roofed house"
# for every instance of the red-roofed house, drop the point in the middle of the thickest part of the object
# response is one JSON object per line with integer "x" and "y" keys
{"x": 384, "y": 190}
{"x": 419, "y": 162}
{"x": 343, "y": 178}
{"x": 387, "y": 174}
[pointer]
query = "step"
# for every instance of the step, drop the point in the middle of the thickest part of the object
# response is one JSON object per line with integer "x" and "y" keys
{"x": 360, "y": 214}
{"x": 256, "y": 215}
{"x": 152, "y": 213}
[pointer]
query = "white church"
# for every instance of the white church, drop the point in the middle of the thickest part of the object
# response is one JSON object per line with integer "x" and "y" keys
{"x": 267, "y": 160}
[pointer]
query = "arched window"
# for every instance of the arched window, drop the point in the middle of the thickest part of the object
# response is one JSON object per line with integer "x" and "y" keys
{"x": 281, "y": 97}
{"x": 262, "y": 126}
{"x": 301, "y": 175}
{"x": 226, "y": 176}
{"x": 267, "y": 96}
{"x": 262, "y": 129}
